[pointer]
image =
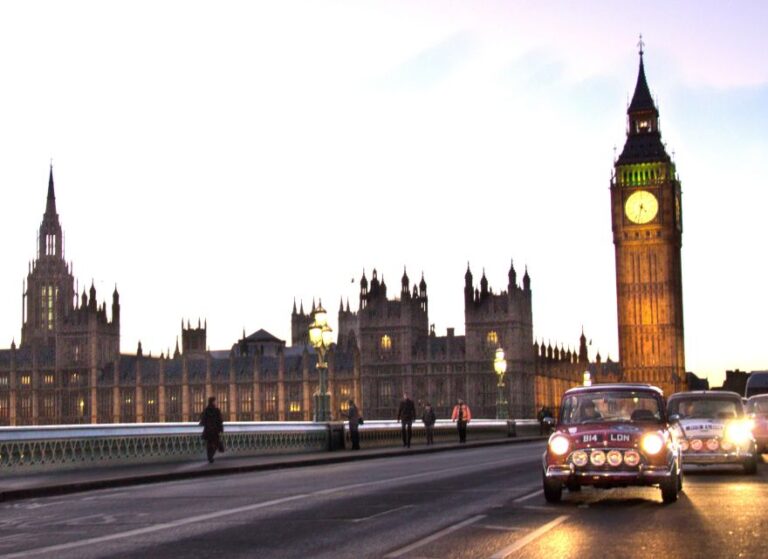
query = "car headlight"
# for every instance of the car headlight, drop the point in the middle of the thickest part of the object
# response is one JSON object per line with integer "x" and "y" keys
{"x": 652, "y": 443}
{"x": 631, "y": 458}
{"x": 559, "y": 445}
{"x": 696, "y": 444}
{"x": 580, "y": 458}
{"x": 614, "y": 458}
{"x": 597, "y": 458}
{"x": 712, "y": 444}
{"x": 739, "y": 432}
{"x": 684, "y": 445}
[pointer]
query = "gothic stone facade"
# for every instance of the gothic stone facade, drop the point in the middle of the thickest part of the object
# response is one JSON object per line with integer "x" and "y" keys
{"x": 68, "y": 368}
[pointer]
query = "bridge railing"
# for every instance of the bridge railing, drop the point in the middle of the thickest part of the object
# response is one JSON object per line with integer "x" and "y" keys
{"x": 61, "y": 447}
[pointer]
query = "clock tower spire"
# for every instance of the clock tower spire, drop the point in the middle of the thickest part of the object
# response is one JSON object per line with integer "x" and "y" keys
{"x": 647, "y": 235}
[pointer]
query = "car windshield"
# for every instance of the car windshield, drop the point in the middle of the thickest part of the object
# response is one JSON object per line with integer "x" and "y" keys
{"x": 703, "y": 407}
{"x": 610, "y": 405}
{"x": 758, "y": 406}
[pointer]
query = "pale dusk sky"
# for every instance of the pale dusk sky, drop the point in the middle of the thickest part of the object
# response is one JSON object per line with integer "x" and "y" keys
{"x": 216, "y": 160}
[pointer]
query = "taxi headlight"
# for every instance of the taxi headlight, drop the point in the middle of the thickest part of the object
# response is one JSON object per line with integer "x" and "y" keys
{"x": 614, "y": 458}
{"x": 684, "y": 445}
{"x": 597, "y": 458}
{"x": 580, "y": 458}
{"x": 559, "y": 445}
{"x": 738, "y": 432}
{"x": 631, "y": 458}
{"x": 652, "y": 443}
{"x": 713, "y": 445}
{"x": 726, "y": 445}
{"x": 696, "y": 444}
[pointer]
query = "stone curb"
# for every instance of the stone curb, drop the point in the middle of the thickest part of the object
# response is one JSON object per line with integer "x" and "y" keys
{"x": 334, "y": 457}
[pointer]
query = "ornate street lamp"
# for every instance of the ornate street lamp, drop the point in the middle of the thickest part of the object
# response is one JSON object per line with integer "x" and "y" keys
{"x": 500, "y": 366}
{"x": 321, "y": 338}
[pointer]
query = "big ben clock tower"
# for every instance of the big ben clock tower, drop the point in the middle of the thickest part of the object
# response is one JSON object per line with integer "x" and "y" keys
{"x": 647, "y": 234}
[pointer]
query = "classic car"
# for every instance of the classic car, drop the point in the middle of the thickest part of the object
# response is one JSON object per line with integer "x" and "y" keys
{"x": 757, "y": 409}
{"x": 713, "y": 428}
{"x": 612, "y": 435}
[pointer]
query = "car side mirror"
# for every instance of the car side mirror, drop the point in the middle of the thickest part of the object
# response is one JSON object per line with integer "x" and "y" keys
{"x": 549, "y": 421}
{"x": 674, "y": 418}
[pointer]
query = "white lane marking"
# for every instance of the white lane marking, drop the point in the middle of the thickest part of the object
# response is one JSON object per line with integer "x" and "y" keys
{"x": 247, "y": 508}
{"x": 501, "y": 528}
{"x": 528, "y": 496}
{"x": 539, "y": 507}
{"x": 433, "y": 537}
{"x": 382, "y": 513}
{"x": 522, "y": 542}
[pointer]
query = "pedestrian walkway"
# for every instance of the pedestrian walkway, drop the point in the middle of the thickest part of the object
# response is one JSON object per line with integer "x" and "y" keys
{"x": 25, "y": 486}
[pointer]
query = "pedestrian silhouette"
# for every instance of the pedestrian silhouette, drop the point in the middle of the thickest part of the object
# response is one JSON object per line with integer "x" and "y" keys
{"x": 355, "y": 419}
{"x": 213, "y": 427}
{"x": 406, "y": 413}
{"x": 461, "y": 415}
{"x": 428, "y": 417}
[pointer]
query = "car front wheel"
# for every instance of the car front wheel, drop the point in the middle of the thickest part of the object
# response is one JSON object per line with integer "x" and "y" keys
{"x": 553, "y": 489}
{"x": 670, "y": 487}
{"x": 750, "y": 466}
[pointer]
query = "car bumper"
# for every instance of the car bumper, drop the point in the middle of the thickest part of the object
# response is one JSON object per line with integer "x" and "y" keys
{"x": 716, "y": 457}
{"x": 644, "y": 475}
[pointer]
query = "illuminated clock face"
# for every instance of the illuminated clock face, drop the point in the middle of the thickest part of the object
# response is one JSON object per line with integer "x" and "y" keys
{"x": 641, "y": 207}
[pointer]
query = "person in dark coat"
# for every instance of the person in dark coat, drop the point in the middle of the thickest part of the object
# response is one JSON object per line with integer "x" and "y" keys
{"x": 213, "y": 427}
{"x": 428, "y": 417}
{"x": 355, "y": 419}
{"x": 406, "y": 413}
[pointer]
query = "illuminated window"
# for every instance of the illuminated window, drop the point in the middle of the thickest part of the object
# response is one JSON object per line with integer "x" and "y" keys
{"x": 48, "y": 379}
{"x": 4, "y": 380}
{"x": 74, "y": 378}
{"x": 386, "y": 343}
{"x": 26, "y": 380}
{"x": 492, "y": 339}
{"x": 295, "y": 407}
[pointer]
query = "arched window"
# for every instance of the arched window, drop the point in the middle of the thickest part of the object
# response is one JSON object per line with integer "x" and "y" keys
{"x": 492, "y": 338}
{"x": 385, "y": 343}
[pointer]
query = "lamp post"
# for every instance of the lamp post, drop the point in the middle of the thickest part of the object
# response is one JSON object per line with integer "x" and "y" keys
{"x": 321, "y": 338}
{"x": 500, "y": 366}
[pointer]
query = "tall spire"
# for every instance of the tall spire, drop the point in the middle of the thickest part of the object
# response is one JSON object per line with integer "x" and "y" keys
{"x": 643, "y": 137}
{"x": 50, "y": 204}
{"x": 642, "y": 99}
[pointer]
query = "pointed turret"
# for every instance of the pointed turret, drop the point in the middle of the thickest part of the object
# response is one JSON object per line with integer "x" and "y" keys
{"x": 294, "y": 306}
{"x": 483, "y": 286}
{"x": 512, "y": 276}
{"x": 404, "y": 282}
{"x": 526, "y": 280}
{"x": 583, "y": 355}
{"x": 468, "y": 286}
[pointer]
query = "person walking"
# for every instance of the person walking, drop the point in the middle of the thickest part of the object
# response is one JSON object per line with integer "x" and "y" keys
{"x": 406, "y": 413}
{"x": 355, "y": 419}
{"x": 461, "y": 415}
{"x": 428, "y": 417}
{"x": 213, "y": 427}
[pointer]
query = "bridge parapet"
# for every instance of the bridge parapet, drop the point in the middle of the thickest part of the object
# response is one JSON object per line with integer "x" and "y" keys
{"x": 61, "y": 447}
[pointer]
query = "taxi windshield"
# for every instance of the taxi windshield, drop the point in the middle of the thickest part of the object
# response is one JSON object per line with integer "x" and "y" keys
{"x": 702, "y": 407}
{"x": 610, "y": 406}
{"x": 758, "y": 406}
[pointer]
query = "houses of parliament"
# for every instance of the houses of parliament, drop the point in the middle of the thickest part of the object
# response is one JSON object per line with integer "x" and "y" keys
{"x": 68, "y": 367}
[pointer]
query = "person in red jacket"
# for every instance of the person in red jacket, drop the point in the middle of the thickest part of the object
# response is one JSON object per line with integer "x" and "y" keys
{"x": 461, "y": 415}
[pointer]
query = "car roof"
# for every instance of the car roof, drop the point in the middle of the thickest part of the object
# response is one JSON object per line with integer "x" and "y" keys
{"x": 757, "y": 397}
{"x": 616, "y": 386}
{"x": 712, "y": 393}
